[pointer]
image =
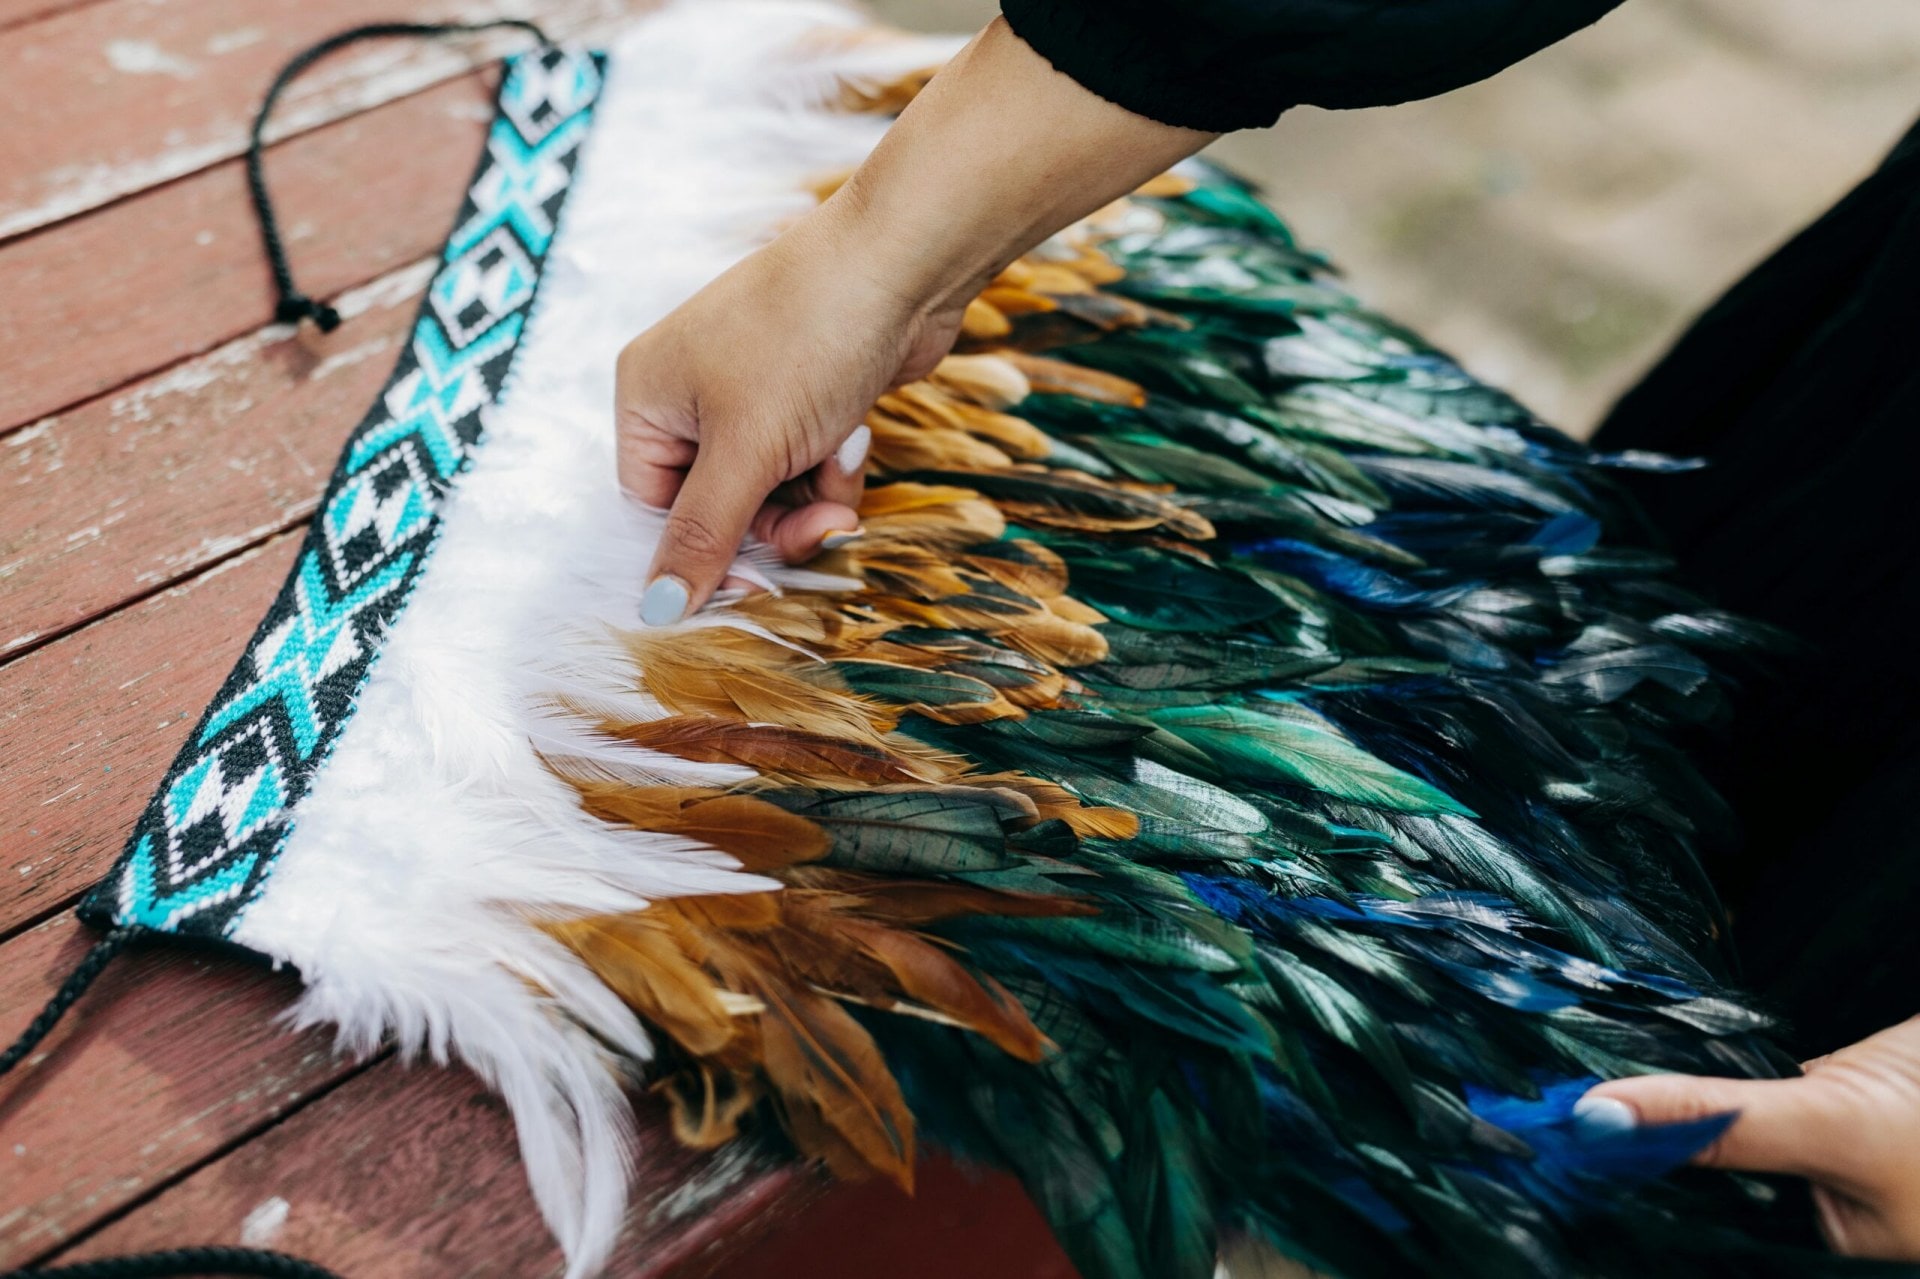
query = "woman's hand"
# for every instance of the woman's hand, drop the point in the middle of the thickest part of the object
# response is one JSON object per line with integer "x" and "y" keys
{"x": 1850, "y": 1125}
{"x": 741, "y": 410}
{"x": 738, "y": 411}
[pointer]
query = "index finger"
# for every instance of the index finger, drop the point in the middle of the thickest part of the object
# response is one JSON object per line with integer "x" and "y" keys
{"x": 703, "y": 534}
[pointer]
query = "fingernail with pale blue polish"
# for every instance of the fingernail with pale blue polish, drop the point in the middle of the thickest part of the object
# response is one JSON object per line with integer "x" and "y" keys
{"x": 664, "y": 602}
{"x": 840, "y": 537}
{"x": 1604, "y": 1116}
{"x": 852, "y": 453}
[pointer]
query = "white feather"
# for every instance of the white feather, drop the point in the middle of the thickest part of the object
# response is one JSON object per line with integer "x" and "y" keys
{"x": 434, "y": 840}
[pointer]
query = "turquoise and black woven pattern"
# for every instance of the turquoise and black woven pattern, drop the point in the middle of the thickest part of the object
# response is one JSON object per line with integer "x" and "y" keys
{"x": 209, "y": 836}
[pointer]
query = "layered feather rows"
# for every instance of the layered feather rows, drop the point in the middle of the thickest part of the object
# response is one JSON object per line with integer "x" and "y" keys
{"x": 1238, "y": 796}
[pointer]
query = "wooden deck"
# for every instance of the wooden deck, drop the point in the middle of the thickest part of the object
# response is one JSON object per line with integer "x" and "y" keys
{"x": 160, "y": 447}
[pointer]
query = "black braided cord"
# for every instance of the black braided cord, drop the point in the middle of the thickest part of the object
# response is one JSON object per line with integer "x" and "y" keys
{"x": 293, "y": 305}
{"x": 71, "y": 989}
{"x": 184, "y": 1261}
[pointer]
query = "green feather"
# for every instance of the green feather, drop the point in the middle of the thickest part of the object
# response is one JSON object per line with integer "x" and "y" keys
{"x": 1292, "y": 745}
{"x": 1304, "y": 462}
{"x": 1138, "y": 660}
{"x": 1227, "y": 203}
{"x": 1340, "y": 1013}
{"x": 1162, "y": 362}
{"x": 1153, "y": 460}
{"x": 1073, "y": 730}
{"x": 912, "y": 685}
{"x": 1161, "y": 590}
{"x": 1156, "y": 791}
{"x": 1165, "y": 1184}
{"x": 1135, "y": 938}
{"x": 907, "y": 832}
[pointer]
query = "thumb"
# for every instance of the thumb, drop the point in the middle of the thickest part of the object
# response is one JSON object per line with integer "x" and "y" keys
{"x": 1778, "y": 1127}
{"x": 703, "y": 534}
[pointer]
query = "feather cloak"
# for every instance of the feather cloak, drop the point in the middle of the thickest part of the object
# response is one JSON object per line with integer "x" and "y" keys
{"x": 1229, "y": 785}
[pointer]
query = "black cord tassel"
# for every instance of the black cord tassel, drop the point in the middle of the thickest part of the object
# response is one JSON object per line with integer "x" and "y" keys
{"x": 295, "y": 306}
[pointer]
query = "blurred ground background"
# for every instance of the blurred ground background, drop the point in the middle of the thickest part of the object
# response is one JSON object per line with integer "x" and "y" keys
{"x": 1557, "y": 226}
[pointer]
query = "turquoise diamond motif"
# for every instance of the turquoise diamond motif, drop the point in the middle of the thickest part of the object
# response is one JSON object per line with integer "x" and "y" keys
{"x": 141, "y": 900}
{"x": 316, "y": 641}
{"x": 242, "y": 803}
{"x": 444, "y": 386}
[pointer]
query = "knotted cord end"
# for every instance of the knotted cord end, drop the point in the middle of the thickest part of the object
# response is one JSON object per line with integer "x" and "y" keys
{"x": 295, "y": 307}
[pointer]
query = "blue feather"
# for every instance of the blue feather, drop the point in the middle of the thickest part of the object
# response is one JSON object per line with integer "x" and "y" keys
{"x": 1351, "y": 579}
{"x": 1576, "y": 1169}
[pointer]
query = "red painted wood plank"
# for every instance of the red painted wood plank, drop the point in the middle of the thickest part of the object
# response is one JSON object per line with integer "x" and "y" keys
{"x": 100, "y": 300}
{"x": 122, "y": 95}
{"x": 413, "y": 1172}
{"x": 89, "y": 724}
{"x": 141, "y": 489}
{"x": 170, "y": 1057}
{"x": 958, "y": 1224}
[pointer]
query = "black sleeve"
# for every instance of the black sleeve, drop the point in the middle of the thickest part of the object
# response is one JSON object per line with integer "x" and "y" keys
{"x": 1235, "y": 64}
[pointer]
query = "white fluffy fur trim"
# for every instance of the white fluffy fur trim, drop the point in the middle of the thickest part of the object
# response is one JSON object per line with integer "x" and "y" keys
{"x": 433, "y": 839}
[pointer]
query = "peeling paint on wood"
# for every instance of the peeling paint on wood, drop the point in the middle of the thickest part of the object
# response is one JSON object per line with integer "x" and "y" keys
{"x": 263, "y": 1225}
{"x": 171, "y": 273}
{"x": 403, "y": 1171}
{"x": 724, "y": 1175}
{"x": 138, "y": 57}
{"x": 171, "y": 92}
{"x": 144, "y": 488}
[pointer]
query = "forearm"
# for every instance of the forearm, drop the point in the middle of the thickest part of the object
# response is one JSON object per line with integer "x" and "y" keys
{"x": 996, "y": 154}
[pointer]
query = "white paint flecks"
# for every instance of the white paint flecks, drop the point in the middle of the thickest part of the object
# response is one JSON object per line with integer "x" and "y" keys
{"x": 137, "y": 405}
{"x": 142, "y": 403}
{"x": 75, "y": 188}
{"x": 396, "y": 286}
{"x": 348, "y": 358}
{"x": 210, "y": 548}
{"x": 228, "y": 41}
{"x": 264, "y": 1224}
{"x": 729, "y": 1167}
{"x": 141, "y": 57}
{"x": 28, "y": 434}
